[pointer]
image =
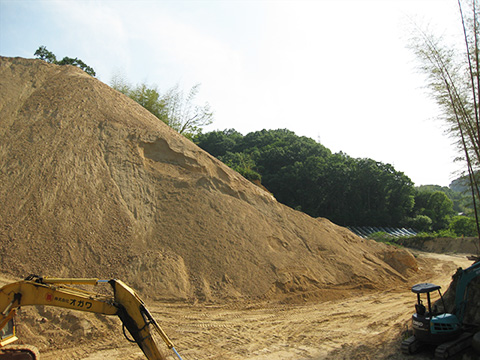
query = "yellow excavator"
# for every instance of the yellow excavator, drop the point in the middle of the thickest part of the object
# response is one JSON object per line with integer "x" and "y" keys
{"x": 36, "y": 290}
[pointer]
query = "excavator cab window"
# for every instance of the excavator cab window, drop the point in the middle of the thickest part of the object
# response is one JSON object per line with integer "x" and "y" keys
{"x": 7, "y": 334}
{"x": 420, "y": 308}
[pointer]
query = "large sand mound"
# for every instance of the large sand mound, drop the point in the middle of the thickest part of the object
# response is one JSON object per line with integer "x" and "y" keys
{"x": 92, "y": 184}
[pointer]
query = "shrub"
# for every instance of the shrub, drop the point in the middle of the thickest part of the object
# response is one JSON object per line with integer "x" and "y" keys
{"x": 421, "y": 223}
{"x": 381, "y": 236}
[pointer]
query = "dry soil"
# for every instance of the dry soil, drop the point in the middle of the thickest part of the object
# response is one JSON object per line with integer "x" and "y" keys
{"x": 362, "y": 326}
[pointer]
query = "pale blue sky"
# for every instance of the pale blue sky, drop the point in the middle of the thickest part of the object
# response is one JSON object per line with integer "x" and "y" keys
{"x": 336, "y": 71}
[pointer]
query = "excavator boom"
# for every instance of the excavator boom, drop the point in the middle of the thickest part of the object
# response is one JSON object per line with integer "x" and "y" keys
{"x": 125, "y": 304}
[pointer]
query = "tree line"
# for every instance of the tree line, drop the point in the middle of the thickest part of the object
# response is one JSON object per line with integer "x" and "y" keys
{"x": 307, "y": 176}
{"x": 302, "y": 173}
{"x": 44, "y": 54}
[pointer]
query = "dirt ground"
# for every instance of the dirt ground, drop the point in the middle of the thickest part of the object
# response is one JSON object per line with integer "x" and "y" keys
{"x": 366, "y": 325}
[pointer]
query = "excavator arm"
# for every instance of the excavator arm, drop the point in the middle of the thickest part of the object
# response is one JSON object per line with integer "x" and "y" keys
{"x": 53, "y": 292}
{"x": 136, "y": 318}
{"x": 466, "y": 277}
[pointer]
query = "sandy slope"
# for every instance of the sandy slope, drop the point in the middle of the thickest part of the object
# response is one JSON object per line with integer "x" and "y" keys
{"x": 92, "y": 184}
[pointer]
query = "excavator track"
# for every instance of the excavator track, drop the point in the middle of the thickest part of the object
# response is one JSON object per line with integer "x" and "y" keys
{"x": 410, "y": 345}
{"x": 19, "y": 352}
{"x": 476, "y": 342}
{"x": 449, "y": 349}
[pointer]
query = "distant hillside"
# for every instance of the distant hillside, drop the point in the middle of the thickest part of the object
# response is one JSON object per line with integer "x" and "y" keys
{"x": 460, "y": 185}
{"x": 305, "y": 175}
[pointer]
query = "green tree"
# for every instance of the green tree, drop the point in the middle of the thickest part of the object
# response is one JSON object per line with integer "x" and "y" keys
{"x": 454, "y": 80}
{"x": 335, "y": 188}
{"x": 147, "y": 96}
{"x": 78, "y": 63}
{"x": 382, "y": 195}
{"x": 151, "y": 100}
{"x": 173, "y": 108}
{"x": 43, "y": 54}
{"x": 462, "y": 202}
{"x": 433, "y": 201}
{"x": 184, "y": 115}
{"x": 439, "y": 209}
{"x": 243, "y": 164}
{"x": 218, "y": 143}
{"x": 121, "y": 84}
{"x": 421, "y": 223}
{"x": 463, "y": 226}
{"x": 305, "y": 175}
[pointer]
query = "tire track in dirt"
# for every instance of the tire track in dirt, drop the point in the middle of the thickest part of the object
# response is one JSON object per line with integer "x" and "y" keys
{"x": 362, "y": 324}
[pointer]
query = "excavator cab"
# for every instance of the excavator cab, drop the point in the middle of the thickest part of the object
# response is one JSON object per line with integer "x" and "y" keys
{"x": 7, "y": 333}
{"x": 14, "y": 352}
{"x": 429, "y": 326}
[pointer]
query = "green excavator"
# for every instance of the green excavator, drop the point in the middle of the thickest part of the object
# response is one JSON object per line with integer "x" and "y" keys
{"x": 447, "y": 331}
